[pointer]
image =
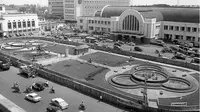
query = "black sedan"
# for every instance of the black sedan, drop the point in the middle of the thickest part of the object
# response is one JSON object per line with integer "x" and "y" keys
{"x": 39, "y": 86}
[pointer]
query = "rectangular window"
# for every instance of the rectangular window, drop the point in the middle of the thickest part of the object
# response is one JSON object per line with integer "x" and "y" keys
{"x": 91, "y": 28}
{"x": 188, "y": 38}
{"x": 81, "y": 27}
{"x": 29, "y": 24}
{"x": 101, "y": 22}
{"x": 182, "y": 28}
{"x": 0, "y": 26}
{"x": 193, "y": 38}
{"x": 19, "y": 24}
{"x": 177, "y": 28}
{"x": 108, "y": 22}
{"x": 1, "y": 9}
{"x": 98, "y": 22}
{"x": 81, "y": 21}
{"x": 14, "y": 25}
{"x": 188, "y": 29}
{"x": 198, "y": 39}
{"x": 33, "y": 29}
{"x": 33, "y": 23}
{"x": 194, "y": 29}
{"x": 105, "y": 22}
{"x": 171, "y": 27}
{"x": 92, "y": 21}
{"x": 95, "y": 21}
{"x": 24, "y": 24}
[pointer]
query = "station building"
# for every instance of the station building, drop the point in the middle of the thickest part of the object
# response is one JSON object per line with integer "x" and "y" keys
{"x": 16, "y": 23}
{"x": 141, "y": 24}
{"x": 76, "y": 8}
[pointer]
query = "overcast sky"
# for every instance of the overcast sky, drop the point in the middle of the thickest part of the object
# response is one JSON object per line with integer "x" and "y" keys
{"x": 134, "y": 2}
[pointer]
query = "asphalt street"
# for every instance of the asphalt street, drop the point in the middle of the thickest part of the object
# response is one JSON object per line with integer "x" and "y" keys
{"x": 73, "y": 98}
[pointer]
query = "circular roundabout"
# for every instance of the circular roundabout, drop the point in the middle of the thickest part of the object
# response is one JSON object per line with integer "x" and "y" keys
{"x": 153, "y": 77}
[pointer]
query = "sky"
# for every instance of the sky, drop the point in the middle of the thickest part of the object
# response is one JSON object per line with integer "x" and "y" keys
{"x": 134, "y": 2}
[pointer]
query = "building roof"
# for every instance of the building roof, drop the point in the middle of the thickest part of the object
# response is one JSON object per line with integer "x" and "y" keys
{"x": 81, "y": 47}
{"x": 97, "y": 13}
{"x": 160, "y": 13}
{"x": 9, "y": 8}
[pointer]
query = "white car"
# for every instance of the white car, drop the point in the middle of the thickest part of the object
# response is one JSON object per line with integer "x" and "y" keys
{"x": 33, "y": 97}
{"x": 60, "y": 103}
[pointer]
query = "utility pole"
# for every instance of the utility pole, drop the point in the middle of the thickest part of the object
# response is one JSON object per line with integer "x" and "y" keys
{"x": 145, "y": 91}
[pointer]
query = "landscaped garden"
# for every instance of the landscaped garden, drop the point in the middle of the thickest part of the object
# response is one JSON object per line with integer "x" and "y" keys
{"x": 108, "y": 59}
{"x": 76, "y": 69}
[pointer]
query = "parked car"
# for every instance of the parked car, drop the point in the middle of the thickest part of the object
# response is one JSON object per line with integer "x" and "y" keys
{"x": 179, "y": 56}
{"x": 53, "y": 109}
{"x": 117, "y": 47}
{"x": 62, "y": 104}
{"x": 117, "y": 44}
{"x": 39, "y": 86}
{"x": 33, "y": 97}
{"x": 157, "y": 42}
{"x": 131, "y": 44}
{"x": 195, "y": 60}
{"x": 5, "y": 64}
{"x": 138, "y": 49}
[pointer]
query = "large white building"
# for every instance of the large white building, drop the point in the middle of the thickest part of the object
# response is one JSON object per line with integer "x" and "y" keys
{"x": 56, "y": 7}
{"x": 76, "y": 8}
{"x": 15, "y": 23}
{"x": 143, "y": 23}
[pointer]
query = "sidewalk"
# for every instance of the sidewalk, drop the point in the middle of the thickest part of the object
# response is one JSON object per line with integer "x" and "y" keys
{"x": 8, "y": 106}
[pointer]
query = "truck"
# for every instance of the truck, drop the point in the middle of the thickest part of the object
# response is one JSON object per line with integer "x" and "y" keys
{"x": 27, "y": 70}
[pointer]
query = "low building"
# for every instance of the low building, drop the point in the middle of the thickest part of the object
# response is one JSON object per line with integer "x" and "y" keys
{"x": 140, "y": 24}
{"x": 16, "y": 23}
{"x": 90, "y": 39}
{"x": 81, "y": 49}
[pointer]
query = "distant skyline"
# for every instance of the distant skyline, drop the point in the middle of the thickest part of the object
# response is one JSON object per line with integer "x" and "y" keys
{"x": 134, "y": 2}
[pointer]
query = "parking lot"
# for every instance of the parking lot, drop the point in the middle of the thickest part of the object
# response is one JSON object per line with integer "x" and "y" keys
{"x": 7, "y": 78}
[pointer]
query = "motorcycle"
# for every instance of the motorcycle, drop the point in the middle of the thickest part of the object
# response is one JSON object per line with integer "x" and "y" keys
{"x": 52, "y": 90}
{"x": 29, "y": 89}
{"x": 82, "y": 107}
{"x": 17, "y": 89}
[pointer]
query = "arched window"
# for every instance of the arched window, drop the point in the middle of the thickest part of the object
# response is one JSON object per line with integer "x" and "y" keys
{"x": 130, "y": 22}
{"x": 9, "y": 25}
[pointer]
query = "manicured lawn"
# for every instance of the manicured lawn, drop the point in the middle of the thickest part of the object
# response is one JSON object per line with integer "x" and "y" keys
{"x": 106, "y": 58}
{"x": 76, "y": 69}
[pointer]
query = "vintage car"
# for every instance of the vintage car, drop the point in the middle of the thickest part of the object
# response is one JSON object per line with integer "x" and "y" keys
{"x": 39, "y": 85}
{"x": 53, "y": 109}
{"x": 62, "y": 104}
{"x": 5, "y": 64}
{"x": 33, "y": 97}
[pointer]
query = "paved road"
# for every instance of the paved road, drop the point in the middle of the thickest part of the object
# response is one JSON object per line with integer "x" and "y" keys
{"x": 72, "y": 97}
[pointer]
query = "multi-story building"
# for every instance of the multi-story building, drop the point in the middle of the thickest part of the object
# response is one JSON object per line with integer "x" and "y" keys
{"x": 76, "y": 8}
{"x": 15, "y": 23}
{"x": 143, "y": 23}
{"x": 56, "y": 7}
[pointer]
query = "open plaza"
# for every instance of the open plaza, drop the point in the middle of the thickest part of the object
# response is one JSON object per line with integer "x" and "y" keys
{"x": 156, "y": 85}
